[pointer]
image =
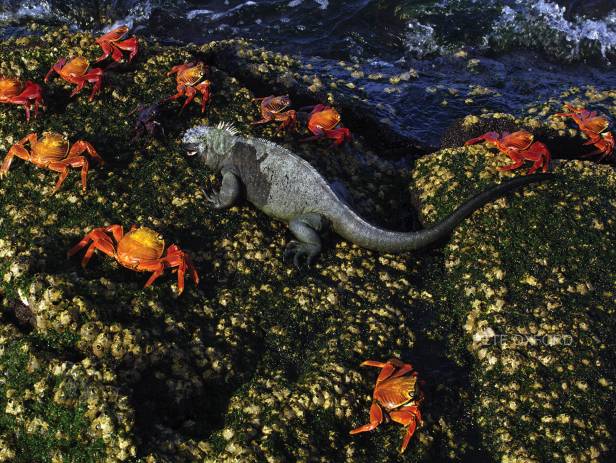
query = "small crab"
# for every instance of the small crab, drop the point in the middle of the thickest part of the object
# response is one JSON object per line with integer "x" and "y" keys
{"x": 112, "y": 44}
{"x": 141, "y": 250}
{"x": 190, "y": 79}
{"x": 520, "y": 147}
{"x": 77, "y": 71}
{"x": 324, "y": 122}
{"x": 595, "y": 127}
{"x": 53, "y": 152}
{"x": 146, "y": 121}
{"x": 273, "y": 109}
{"x": 396, "y": 396}
{"x": 14, "y": 91}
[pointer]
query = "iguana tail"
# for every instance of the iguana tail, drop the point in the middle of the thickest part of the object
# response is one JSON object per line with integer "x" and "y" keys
{"x": 355, "y": 229}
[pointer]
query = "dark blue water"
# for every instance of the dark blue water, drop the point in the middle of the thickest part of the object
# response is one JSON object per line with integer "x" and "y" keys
{"x": 413, "y": 60}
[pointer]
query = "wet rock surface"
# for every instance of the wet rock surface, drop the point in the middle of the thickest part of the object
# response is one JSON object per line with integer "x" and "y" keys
{"x": 527, "y": 288}
{"x": 260, "y": 362}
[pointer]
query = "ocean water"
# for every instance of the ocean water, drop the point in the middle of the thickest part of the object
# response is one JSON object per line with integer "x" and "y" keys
{"x": 421, "y": 63}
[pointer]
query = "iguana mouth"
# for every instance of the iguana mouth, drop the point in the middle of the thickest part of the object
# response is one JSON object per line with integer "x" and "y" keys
{"x": 191, "y": 149}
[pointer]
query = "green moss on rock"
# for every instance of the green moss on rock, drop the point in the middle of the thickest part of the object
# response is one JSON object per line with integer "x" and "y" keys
{"x": 528, "y": 290}
{"x": 261, "y": 361}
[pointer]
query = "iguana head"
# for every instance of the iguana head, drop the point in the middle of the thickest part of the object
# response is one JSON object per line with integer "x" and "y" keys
{"x": 212, "y": 144}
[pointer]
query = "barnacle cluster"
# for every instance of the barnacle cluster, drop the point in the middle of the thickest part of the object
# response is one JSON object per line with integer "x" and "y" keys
{"x": 261, "y": 362}
{"x": 528, "y": 287}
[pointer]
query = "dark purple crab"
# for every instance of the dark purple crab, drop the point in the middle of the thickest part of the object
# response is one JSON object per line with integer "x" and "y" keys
{"x": 146, "y": 121}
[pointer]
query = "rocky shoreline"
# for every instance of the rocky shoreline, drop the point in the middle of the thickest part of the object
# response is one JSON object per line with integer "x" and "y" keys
{"x": 509, "y": 323}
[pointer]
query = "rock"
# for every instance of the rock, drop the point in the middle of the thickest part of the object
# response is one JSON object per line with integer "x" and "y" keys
{"x": 527, "y": 292}
{"x": 561, "y": 135}
{"x": 260, "y": 362}
{"x": 264, "y": 71}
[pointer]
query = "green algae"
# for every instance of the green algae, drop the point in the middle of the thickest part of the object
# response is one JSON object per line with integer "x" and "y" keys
{"x": 528, "y": 284}
{"x": 261, "y": 361}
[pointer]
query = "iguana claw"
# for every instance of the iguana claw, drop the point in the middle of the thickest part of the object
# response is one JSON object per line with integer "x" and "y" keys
{"x": 213, "y": 199}
{"x": 298, "y": 250}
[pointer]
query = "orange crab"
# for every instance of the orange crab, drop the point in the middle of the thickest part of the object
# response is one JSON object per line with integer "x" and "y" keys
{"x": 324, "y": 122}
{"x": 112, "y": 44}
{"x": 273, "y": 109}
{"x": 595, "y": 127}
{"x": 53, "y": 152}
{"x": 14, "y": 91}
{"x": 141, "y": 250}
{"x": 77, "y": 71}
{"x": 190, "y": 79}
{"x": 396, "y": 396}
{"x": 520, "y": 147}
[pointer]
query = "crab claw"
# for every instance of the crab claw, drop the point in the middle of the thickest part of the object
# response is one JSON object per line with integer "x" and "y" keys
{"x": 339, "y": 135}
{"x": 111, "y": 45}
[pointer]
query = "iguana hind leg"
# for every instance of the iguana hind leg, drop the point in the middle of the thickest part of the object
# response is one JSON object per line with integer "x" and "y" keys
{"x": 307, "y": 244}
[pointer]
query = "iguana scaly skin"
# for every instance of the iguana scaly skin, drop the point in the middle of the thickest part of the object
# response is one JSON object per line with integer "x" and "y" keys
{"x": 287, "y": 188}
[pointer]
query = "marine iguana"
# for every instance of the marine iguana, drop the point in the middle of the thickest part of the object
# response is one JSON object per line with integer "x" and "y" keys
{"x": 287, "y": 188}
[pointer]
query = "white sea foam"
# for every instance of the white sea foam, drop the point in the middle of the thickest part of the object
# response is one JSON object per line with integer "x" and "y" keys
{"x": 536, "y": 20}
{"x": 28, "y": 9}
{"x": 192, "y": 14}
{"x": 139, "y": 12}
{"x": 420, "y": 40}
{"x": 323, "y": 4}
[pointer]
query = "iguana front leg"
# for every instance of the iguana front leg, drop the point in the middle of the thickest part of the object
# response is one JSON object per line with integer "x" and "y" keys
{"x": 306, "y": 229}
{"x": 228, "y": 193}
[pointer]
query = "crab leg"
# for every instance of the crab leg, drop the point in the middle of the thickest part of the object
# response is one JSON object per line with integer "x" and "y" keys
{"x": 16, "y": 150}
{"x": 408, "y": 417}
{"x": 158, "y": 267}
{"x": 95, "y": 76}
{"x": 175, "y": 257}
{"x": 319, "y": 134}
{"x": 289, "y": 119}
{"x": 263, "y": 121}
{"x": 57, "y": 67}
{"x": 100, "y": 240}
{"x": 19, "y": 150}
{"x": 388, "y": 368}
{"x": 31, "y": 92}
{"x": 204, "y": 89}
{"x": 190, "y": 94}
{"x": 80, "y": 146}
{"x": 63, "y": 168}
{"x": 376, "y": 418}
{"x": 338, "y": 135}
{"x": 109, "y": 48}
{"x": 539, "y": 153}
{"x": 517, "y": 159}
{"x": 131, "y": 45}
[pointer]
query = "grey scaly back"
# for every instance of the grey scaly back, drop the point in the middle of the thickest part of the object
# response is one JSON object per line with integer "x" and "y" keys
{"x": 287, "y": 188}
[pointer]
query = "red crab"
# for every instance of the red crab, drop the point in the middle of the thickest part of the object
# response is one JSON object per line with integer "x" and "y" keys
{"x": 112, "y": 45}
{"x": 52, "y": 152}
{"x": 324, "y": 122}
{"x": 76, "y": 72}
{"x": 396, "y": 395}
{"x": 595, "y": 127}
{"x": 14, "y": 91}
{"x": 520, "y": 147}
{"x": 141, "y": 250}
{"x": 273, "y": 109}
{"x": 190, "y": 79}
